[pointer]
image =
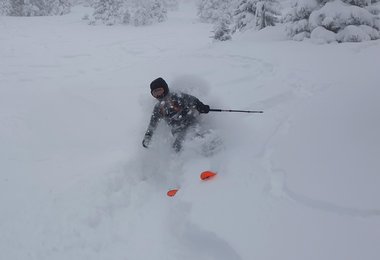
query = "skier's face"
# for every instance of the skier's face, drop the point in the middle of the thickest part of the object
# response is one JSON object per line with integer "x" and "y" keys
{"x": 158, "y": 93}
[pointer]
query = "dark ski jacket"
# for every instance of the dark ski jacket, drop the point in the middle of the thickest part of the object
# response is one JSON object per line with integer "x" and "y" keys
{"x": 179, "y": 111}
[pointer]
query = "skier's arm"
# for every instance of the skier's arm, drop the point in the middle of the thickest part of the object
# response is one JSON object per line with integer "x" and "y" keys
{"x": 197, "y": 104}
{"x": 154, "y": 119}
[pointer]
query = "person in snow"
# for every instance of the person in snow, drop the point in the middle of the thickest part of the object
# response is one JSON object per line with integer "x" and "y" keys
{"x": 179, "y": 110}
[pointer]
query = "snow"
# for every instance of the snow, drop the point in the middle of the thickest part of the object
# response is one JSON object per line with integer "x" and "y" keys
{"x": 299, "y": 181}
{"x": 321, "y": 35}
{"x": 352, "y": 33}
{"x": 344, "y": 19}
{"x": 336, "y": 15}
{"x": 350, "y": 22}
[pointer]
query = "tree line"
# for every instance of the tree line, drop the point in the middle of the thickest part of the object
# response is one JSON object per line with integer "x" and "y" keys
{"x": 323, "y": 21}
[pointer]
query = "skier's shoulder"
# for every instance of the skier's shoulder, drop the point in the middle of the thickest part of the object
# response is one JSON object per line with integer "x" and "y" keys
{"x": 183, "y": 96}
{"x": 175, "y": 94}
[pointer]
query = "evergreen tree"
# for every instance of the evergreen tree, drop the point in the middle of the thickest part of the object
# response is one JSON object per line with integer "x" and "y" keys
{"x": 158, "y": 11}
{"x": 222, "y": 31}
{"x": 108, "y": 11}
{"x": 38, "y": 7}
{"x": 374, "y": 8}
{"x": 267, "y": 13}
{"x": 16, "y": 8}
{"x": 5, "y": 7}
{"x": 60, "y": 7}
{"x": 149, "y": 12}
{"x": 260, "y": 15}
{"x": 126, "y": 18}
{"x": 360, "y": 3}
{"x": 141, "y": 17}
{"x": 297, "y": 19}
{"x": 211, "y": 10}
{"x": 245, "y": 15}
{"x": 351, "y": 20}
{"x": 136, "y": 12}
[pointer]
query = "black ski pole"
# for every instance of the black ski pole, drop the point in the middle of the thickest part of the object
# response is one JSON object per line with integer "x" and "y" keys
{"x": 232, "y": 110}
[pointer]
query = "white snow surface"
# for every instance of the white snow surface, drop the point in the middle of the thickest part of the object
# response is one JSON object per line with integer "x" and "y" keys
{"x": 300, "y": 181}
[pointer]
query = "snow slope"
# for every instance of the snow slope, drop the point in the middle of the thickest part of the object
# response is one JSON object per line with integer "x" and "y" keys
{"x": 297, "y": 182}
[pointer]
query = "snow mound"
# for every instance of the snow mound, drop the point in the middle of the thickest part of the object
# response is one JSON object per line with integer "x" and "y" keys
{"x": 336, "y": 15}
{"x": 353, "y": 33}
{"x": 352, "y": 23}
{"x": 322, "y": 35}
{"x": 322, "y": 23}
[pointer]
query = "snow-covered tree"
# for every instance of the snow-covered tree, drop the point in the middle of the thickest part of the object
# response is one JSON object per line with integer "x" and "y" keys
{"x": 142, "y": 17}
{"x": 255, "y": 14}
{"x": 60, "y": 7}
{"x": 158, "y": 11}
{"x": 108, "y": 11}
{"x": 126, "y": 18}
{"x": 334, "y": 21}
{"x": 349, "y": 21}
{"x": 244, "y": 15}
{"x": 222, "y": 30}
{"x": 360, "y": 3}
{"x": 297, "y": 18}
{"x": 16, "y": 7}
{"x": 5, "y": 7}
{"x": 267, "y": 13}
{"x": 149, "y": 12}
{"x": 36, "y": 7}
{"x": 211, "y": 10}
{"x": 374, "y": 8}
{"x": 136, "y": 12}
{"x": 230, "y": 16}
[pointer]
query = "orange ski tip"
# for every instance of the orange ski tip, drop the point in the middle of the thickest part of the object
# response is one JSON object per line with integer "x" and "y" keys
{"x": 172, "y": 193}
{"x": 207, "y": 175}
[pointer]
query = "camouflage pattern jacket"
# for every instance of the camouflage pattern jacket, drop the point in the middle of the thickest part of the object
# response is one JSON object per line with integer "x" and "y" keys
{"x": 179, "y": 111}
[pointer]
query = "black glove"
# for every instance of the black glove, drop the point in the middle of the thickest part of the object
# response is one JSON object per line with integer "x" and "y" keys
{"x": 204, "y": 109}
{"x": 146, "y": 140}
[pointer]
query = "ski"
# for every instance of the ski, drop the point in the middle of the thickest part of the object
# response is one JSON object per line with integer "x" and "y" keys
{"x": 204, "y": 176}
{"x": 207, "y": 175}
{"x": 172, "y": 193}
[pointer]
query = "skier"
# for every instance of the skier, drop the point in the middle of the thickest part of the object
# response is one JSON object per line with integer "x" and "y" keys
{"x": 179, "y": 110}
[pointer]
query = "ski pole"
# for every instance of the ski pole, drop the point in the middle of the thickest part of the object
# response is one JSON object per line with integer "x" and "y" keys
{"x": 232, "y": 110}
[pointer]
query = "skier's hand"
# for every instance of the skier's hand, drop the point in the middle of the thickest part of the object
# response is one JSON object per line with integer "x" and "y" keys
{"x": 146, "y": 141}
{"x": 204, "y": 109}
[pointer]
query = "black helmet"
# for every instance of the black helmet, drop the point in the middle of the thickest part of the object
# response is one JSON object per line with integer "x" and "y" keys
{"x": 159, "y": 83}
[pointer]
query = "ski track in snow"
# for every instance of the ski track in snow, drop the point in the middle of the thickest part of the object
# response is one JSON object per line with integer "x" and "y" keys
{"x": 278, "y": 188}
{"x": 277, "y": 181}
